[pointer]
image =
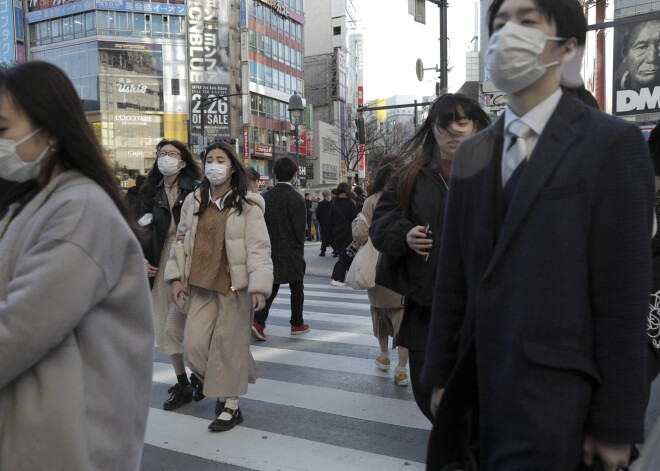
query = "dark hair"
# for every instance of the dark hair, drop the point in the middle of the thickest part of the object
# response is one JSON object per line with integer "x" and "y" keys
{"x": 567, "y": 14}
{"x": 421, "y": 149}
{"x": 383, "y": 174}
{"x": 239, "y": 180}
{"x": 307, "y": 194}
{"x": 333, "y": 191}
{"x": 285, "y": 168}
{"x": 358, "y": 190}
{"x": 345, "y": 188}
{"x": 582, "y": 94}
{"x": 154, "y": 176}
{"x": 53, "y": 105}
{"x": 252, "y": 174}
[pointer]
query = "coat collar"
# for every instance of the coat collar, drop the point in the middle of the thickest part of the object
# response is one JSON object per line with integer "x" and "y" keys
{"x": 561, "y": 131}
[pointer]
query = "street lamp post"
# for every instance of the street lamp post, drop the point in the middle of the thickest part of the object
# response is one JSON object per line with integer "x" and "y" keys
{"x": 296, "y": 109}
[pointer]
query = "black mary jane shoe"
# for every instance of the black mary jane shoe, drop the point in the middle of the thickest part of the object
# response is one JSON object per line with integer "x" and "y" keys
{"x": 223, "y": 425}
{"x": 197, "y": 387}
{"x": 219, "y": 406}
{"x": 180, "y": 395}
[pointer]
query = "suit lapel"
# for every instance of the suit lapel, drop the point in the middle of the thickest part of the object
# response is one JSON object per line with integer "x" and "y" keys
{"x": 557, "y": 137}
{"x": 487, "y": 203}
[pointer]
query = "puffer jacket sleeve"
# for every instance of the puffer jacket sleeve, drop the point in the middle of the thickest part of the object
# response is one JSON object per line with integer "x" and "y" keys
{"x": 388, "y": 228}
{"x": 172, "y": 267}
{"x": 257, "y": 246}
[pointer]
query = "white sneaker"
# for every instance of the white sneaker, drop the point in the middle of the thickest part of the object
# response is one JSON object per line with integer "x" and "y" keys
{"x": 337, "y": 283}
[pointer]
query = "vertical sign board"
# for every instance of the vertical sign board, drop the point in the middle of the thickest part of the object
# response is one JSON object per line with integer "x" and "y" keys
{"x": 244, "y": 23}
{"x": 18, "y": 20}
{"x": 636, "y": 84}
{"x": 208, "y": 67}
{"x": 7, "y": 40}
{"x": 246, "y": 145}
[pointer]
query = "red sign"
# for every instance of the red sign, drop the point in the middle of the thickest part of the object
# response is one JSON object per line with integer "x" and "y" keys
{"x": 360, "y": 95}
{"x": 263, "y": 181}
{"x": 302, "y": 146}
{"x": 262, "y": 150}
{"x": 246, "y": 145}
{"x": 310, "y": 143}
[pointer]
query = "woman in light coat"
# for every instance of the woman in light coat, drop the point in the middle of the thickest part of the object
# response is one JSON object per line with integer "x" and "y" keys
{"x": 386, "y": 305}
{"x": 76, "y": 331}
{"x": 229, "y": 272}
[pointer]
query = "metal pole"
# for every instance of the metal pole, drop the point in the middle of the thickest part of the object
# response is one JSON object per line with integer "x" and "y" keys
{"x": 415, "y": 117}
{"x": 443, "y": 46}
{"x": 201, "y": 131}
{"x": 297, "y": 156}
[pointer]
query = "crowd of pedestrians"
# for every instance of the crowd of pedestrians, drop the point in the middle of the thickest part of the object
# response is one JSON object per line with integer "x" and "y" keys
{"x": 509, "y": 263}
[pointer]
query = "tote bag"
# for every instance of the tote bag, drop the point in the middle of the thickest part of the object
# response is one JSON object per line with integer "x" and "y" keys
{"x": 362, "y": 273}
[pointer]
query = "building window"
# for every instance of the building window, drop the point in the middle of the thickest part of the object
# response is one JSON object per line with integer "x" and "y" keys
{"x": 336, "y": 31}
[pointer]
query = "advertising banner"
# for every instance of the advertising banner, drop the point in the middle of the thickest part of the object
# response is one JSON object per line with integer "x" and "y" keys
{"x": 309, "y": 116}
{"x": 262, "y": 150}
{"x": 18, "y": 20}
{"x": 310, "y": 143}
{"x": 360, "y": 95}
{"x": 7, "y": 42}
{"x": 208, "y": 67}
{"x": 246, "y": 145}
{"x": 636, "y": 68}
{"x": 244, "y": 23}
{"x": 40, "y": 10}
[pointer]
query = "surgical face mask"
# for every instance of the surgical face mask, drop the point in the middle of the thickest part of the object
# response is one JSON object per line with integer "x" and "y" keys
{"x": 168, "y": 166}
{"x": 12, "y": 168}
{"x": 514, "y": 57}
{"x": 217, "y": 174}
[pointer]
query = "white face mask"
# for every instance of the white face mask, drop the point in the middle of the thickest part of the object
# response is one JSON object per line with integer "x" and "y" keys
{"x": 217, "y": 174}
{"x": 168, "y": 166}
{"x": 12, "y": 168}
{"x": 514, "y": 57}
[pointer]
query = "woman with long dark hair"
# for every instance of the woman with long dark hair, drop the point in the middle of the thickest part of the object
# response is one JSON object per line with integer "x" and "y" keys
{"x": 76, "y": 331}
{"x": 229, "y": 272}
{"x": 407, "y": 222}
{"x": 342, "y": 213}
{"x": 161, "y": 196}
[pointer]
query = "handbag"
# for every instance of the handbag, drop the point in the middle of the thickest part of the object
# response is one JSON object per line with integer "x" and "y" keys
{"x": 362, "y": 273}
{"x": 180, "y": 254}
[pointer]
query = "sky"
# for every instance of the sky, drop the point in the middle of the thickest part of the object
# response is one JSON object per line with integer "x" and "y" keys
{"x": 393, "y": 41}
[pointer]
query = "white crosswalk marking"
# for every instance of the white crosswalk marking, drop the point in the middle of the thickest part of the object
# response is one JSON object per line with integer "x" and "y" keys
{"x": 320, "y": 404}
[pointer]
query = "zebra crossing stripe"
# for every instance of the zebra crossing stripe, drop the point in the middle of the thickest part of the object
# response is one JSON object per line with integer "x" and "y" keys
{"x": 316, "y": 294}
{"x": 258, "y": 450}
{"x": 284, "y": 300}
{"x": 317, "y": 335}
{"x": 363, "y": 320}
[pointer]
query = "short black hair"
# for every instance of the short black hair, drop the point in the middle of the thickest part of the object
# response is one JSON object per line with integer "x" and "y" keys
{"x": 307, "y": 194}
{"x": 252, "y": 174}
{"x": 333, "y": 191}
{"x": 567, "y": 14}
{"x": 358, "y": 191}
{"x": 285, "y": 169}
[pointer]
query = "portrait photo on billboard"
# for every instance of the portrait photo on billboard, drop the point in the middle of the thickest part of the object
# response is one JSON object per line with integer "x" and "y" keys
{"x": 637, "y": 67}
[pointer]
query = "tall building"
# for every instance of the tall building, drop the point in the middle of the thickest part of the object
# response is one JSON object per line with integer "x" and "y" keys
{"x": 178, "y": 69}
{"x": 333, "y": 64}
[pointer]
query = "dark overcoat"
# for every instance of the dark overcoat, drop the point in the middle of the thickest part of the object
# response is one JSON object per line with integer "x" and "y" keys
{"x": 286, "y": 217}
{"x": 541, "y": 312}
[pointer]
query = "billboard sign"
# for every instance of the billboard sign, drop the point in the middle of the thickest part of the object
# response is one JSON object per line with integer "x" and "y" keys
{"x": 18, "y": 20}
{"x": 636, "y": 68}
{"x": 7, "y": 40}
{"x": 208, "y": 67}
{"x": 246, "y": 145}
{"x": 262, "y": 150}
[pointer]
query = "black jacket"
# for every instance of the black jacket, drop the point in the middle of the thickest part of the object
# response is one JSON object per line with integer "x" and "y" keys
{"x": 389, "y": 228}
{"x": 286, "y": 217}
{"x": 157, "y": 204}
{"x": 359, "y": 202}
{"x": 342, "y": 213}
{"x": 323, "y": 216}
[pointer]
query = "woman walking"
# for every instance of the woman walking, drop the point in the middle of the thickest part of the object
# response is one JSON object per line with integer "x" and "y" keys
{"x": 386, "y": 305}
{"x": 229, "y": 272}
{"x": 342, "y": 213}
{"x": 161, "y": 196}
{"x": 407, "y": 222}
{"x": 76, "y": 330}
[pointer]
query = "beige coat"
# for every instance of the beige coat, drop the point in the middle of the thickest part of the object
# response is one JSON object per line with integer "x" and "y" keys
{"x": 379, "y": 296}
{"x": 246, "y": 240}
{"x": 76, "y": 333}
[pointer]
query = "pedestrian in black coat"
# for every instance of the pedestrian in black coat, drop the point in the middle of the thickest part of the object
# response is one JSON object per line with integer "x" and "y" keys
{"x": 542, "y": 292}
{"x": 323, "y": 216}
{"x": 414, "y": 201}
{"x": 360, "y": 198}
{"x": 286, "y": 218}
{"x": 342, "y": 213}
{"x": 308, "y": 215}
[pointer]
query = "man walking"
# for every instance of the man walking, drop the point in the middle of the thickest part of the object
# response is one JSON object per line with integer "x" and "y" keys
{"x": 308, "y": 215}
{"x": 285, "y": 218}
{"x": 537, "y": 338}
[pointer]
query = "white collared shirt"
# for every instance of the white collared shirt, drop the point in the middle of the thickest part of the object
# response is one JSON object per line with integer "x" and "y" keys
{"x": 220, "y": 202}
{"x": 536, "y": 118}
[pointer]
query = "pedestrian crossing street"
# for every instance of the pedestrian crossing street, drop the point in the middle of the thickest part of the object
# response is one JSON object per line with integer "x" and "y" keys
{"x": 320, "y": 404}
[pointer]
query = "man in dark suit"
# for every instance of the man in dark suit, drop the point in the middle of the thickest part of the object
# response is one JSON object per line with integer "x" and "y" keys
{"x": 286, "y": 217}
{"x": 537, "y": 347}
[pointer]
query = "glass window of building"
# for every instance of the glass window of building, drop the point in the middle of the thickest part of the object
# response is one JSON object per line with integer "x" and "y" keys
{"x": 176, "y": 27}
{"x": 102, "y": 19}
{"x": 267, "y": 13}
{"x": 260, "y": 43}
{"x": 287, "y": 83}
{"x": 253, "y": 9}
{"x": 287, "y": 54}
{"x": 56, "y": 29}
{"x": 67, "y": 27}
{"x": 139, "y": 24}
{"x": 253, "y": 104}
{"x": 122, "y": 22}
{"x": 281, "y": 52}
{"x": 260, "y": 11}
{"x": 90, "y": 23}
{"x": 267, "y": 41}
{"x": 269, "y": 104}
{"x": 281, "y": 23}
{"x": 253, "y": 71}
{"x": 252, "y": 41}
{"x": 269, "y": 75}
{"x": 78, "y": 24}
{"x": 157, "y": 26}
{"x": 276, "y": 77}
{"x": 282, "y": 82}
{"x": 261, "y": 74}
